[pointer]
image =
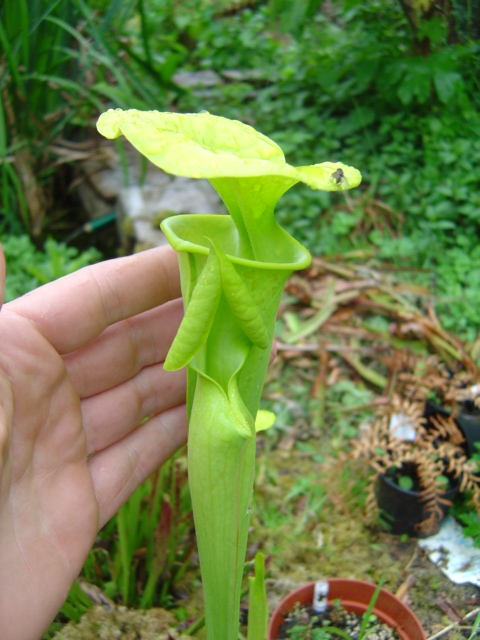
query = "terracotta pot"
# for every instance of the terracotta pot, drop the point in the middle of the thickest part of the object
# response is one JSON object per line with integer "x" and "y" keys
{"x": 355, "y": 596}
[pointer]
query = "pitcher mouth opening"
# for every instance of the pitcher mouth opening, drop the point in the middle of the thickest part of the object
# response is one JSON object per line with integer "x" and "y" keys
{"x": 186, "y": 232}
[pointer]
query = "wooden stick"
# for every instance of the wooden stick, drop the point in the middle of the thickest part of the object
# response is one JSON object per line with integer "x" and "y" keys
{"x": 441, "y": 633}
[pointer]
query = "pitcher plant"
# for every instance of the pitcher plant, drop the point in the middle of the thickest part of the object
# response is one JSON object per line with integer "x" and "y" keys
{"x": 233, "y": 271}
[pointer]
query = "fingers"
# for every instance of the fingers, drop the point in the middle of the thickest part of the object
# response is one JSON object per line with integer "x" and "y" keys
{"x": 110, "y": 416}
{"x": 124, "y": 349}
{"x": 2, "y": 275}
{"x": 273, "y": 352}
{"x": 75, "y": 309}
{"x": 6, "y": 420}
{"x": 117, "y": 471}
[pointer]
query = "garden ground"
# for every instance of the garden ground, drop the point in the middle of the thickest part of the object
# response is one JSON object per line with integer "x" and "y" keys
{"x": 336, "y": 543}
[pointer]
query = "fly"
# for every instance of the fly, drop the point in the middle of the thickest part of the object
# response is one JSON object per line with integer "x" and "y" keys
{"x": 339, "y": 177}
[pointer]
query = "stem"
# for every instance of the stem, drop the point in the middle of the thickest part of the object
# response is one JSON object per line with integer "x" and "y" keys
{"x": 221, "y": 463}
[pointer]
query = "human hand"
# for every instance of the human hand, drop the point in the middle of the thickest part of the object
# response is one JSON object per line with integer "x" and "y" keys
{"x": 80, "y": 368}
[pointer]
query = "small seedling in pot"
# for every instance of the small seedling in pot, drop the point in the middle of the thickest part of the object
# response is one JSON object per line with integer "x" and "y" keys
{"x": 336, "y": 623}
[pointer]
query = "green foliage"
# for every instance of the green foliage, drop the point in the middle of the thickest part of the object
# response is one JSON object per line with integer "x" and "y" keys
{"x": 467, "y": 18}
{"x": 311, "y": 493}
{"x": 466, "y": 514}
{"x": 293, "y": 16}
{"x": 145, "y": 548}
{"x": 470, "y": 520}
{"x": 301, "y": 505}
{"x": 406, "y": 483}
{"x": 320, "y": 82}
{"x": 61, "y": 66}
{"x": 28, "y": 268}
{"x": 351, "y": 83}
{"x": 348, "y": 405}
{"x": 143, "y": 551}
{"x": 476, "y": 627}
{"x": 73, "y": 609}
{"x": 154, "y": 520}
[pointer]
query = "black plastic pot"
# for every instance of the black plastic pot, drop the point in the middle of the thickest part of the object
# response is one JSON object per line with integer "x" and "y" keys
{"x": 468, "y": 423}
{"x": 403, "y": 511}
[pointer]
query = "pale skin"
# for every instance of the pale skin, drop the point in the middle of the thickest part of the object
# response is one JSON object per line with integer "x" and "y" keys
{"x": 80, "y": 369}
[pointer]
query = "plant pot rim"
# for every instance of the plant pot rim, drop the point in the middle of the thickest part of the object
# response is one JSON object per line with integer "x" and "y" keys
{"x": 354, "y": 595}
{"x": 452, "y": 489}
{"x": 467, "y": 423}
{"x": 404, "y": 509}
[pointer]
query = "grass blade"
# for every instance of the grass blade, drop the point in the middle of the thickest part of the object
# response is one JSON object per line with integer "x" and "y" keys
{"x": 24, "y": 21}
{"x": 144, "y": 28}
{"x": 476, "y": 627}
{"x": 368, "y": 612}
{"x": 12, "y": 63}
{"x": 120, "y": 10}
{"x": 22, "y": 202}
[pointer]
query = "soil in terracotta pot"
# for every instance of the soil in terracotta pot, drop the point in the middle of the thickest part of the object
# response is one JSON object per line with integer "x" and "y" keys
{"x": 304, "y": 624}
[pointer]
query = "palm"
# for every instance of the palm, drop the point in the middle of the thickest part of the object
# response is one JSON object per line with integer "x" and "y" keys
{"x": 51, "y": 516}
{"x": 73, "y": 393}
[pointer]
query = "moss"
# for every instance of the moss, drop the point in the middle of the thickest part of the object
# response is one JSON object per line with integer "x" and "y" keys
{"x": 122, "y": 624}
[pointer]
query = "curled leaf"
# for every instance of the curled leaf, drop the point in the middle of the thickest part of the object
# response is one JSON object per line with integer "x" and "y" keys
{"x": 264, "y": 420}
{"x": 241, "y": 302}
{"x": 199, "y": 316}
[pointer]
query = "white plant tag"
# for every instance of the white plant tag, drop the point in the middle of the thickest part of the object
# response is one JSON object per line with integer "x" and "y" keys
{"x": 320, "y": 594}
{"x": 401, "y": 427}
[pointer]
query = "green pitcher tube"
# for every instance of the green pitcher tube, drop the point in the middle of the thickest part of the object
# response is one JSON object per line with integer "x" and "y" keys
{"x": 225, "y": 382}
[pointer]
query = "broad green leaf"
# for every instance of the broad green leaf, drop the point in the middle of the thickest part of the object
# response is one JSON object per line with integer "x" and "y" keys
{"x": 246, "y": 168}
{"x": 205, "y": 146}
{"x": 447, "y": 84}
{"x": 194, "y": 145}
